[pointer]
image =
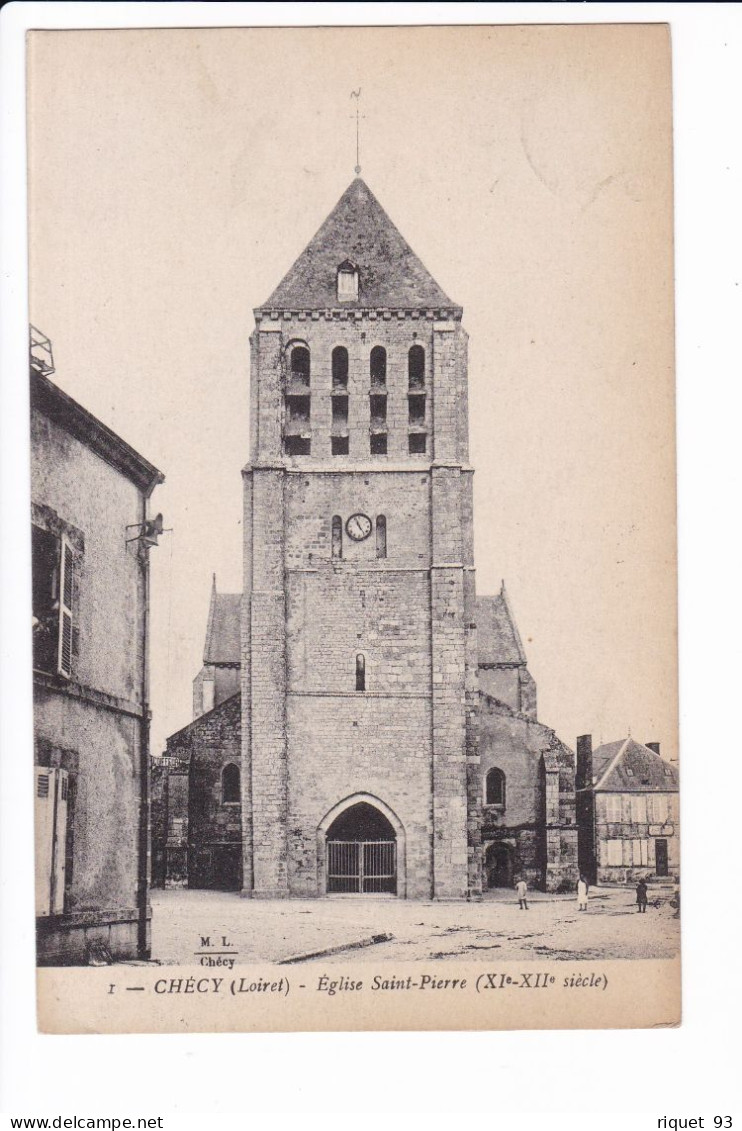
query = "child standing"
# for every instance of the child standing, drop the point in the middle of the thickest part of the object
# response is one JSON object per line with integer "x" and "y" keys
{"x": 522, "y": 889}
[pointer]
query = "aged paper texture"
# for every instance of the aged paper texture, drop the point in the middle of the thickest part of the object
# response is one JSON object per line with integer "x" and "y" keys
{"x": 353, "y": 511}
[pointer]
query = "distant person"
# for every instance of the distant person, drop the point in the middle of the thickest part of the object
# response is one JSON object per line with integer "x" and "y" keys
{"x": 583, "y": 890}
{"x": 522, "y": 889}
{"x": 641, "y": 896}
{"x": 675, "y": 901}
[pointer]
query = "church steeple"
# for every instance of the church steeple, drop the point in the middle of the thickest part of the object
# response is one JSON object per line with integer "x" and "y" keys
{"x": 358, "y": 626}
{"x": 390, "y": 275}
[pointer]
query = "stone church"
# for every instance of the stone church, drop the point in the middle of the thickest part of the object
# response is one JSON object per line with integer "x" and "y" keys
{"x": 383, "y": 737}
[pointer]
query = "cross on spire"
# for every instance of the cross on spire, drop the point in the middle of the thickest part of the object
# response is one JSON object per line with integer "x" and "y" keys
{"x": 358, "y": 115}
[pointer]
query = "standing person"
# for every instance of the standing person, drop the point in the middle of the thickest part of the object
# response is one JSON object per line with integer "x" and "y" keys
{"x": 641, "y": 896}
{"x": 582, "y": 894}
{"x": 675, "y": 901}
{"x": 522, "y": 889}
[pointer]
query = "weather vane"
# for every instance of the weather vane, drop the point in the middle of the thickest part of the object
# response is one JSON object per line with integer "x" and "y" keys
{"x": 357, "y": 95}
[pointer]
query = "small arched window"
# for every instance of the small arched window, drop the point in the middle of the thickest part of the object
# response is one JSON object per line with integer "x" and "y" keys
{"x": 416, "y": 367}
{"x": 337, "y": 536}
{"x": 381, "y": 536}
{"x": 360, "y": 672}
{"x": 494, "y": 792}
{"x": 230, "y": 784}
{"x": 340, "y": 368}
{"x": 377, "y": 366}
{"x": 300, "y": 365}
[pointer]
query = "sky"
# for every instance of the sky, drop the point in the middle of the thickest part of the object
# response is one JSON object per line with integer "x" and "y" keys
{"x": 175, "y": 176}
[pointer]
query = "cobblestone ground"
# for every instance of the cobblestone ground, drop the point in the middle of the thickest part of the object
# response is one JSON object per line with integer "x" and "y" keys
{"x": 272, "y": 931}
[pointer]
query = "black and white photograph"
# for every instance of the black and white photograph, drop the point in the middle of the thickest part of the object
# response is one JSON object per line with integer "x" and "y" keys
{"x": 352, "y": 508}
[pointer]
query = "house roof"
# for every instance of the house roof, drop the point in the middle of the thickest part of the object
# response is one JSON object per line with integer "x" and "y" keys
{"x": 49, "y": 399}
{"x": 358, "y": 230}
{"x": 627, "y": 766}
{"x": 222, "y": 644}
{"x": 498, "y": 639}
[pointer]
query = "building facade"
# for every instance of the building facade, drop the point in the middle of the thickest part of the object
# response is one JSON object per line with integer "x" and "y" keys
{"x": 202, "y": 824}
{"x": 382, "y": 701}
{"x": 527, "y": 774}
{"x": 628, "y": 811}
{"x": 91, "y": 537}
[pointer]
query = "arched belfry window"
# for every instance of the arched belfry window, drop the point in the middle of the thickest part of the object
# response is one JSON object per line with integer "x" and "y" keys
{"x": 337, "y": 536}
{"x": 340, "y": 368}
{"x": 377, "y": 367}
{"x": 297, "y": 436}
{"x": 360, "y": 672}
{"x": 494, "y": 790}
{"x": 416, "y": 367}
{"x": 300, "y": 365}
{"x": 230, "y": 784}
{"x": 347, "y": 282}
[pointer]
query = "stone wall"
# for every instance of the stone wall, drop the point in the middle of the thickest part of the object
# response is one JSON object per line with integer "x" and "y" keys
{"x": 214, "y": 831}
{"x": 538, "y": 821}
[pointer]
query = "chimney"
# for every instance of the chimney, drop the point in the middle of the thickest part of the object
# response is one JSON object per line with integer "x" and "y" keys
{"x": 653, "y": 746}
{"x": 584, "y": 769}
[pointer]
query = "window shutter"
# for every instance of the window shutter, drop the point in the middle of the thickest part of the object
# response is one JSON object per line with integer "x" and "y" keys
{"x": 59, "y": 859}
{"x": 66, "y": 584}
{"x": 44, "y": 820}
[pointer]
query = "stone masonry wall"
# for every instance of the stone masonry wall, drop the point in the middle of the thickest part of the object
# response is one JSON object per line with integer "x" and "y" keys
{"x": 344, "y": 742}
{"x": 310, "y": 739}
{"x": 209, "y": 744}
{"x": 538, "y": 820}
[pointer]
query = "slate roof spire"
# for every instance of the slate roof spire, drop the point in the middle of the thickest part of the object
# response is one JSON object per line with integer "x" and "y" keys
{"x": 390, "y": 274}
{"x": 498, "y": 639}
{"x": 222, "y": 645}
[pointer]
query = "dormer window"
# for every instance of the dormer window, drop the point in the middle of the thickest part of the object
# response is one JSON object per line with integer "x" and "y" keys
{"x": 347, "y": 281}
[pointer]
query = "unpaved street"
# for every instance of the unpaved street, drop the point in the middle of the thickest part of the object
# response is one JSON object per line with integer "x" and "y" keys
{"x": 274, "y": 931}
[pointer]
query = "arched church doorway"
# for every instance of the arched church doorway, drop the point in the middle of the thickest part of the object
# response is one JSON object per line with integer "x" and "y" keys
{"x": 361, "y": 852}
{"x": 498, "y": 864}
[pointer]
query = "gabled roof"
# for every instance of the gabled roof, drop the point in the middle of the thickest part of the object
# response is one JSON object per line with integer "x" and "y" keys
{"x": 49, "y": 399}
{"x": 498, "y": 639}
{"x": 358, "y": 230}
{"x": 223, "y": 628}
{"x": 628, "y": 766}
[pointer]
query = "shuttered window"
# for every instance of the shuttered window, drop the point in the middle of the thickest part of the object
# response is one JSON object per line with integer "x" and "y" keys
{"x": 638, "y": 809}
{"x": 613, "y": 807}
{"x": 66, "y": 586}
{"x": 658, "y": 808}
{"x": 52, "y": 839}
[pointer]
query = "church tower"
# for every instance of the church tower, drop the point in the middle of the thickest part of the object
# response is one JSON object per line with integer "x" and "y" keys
{"x": 358, "y": 640}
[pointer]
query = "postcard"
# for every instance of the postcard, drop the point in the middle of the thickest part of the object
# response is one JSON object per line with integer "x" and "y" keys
{"x": 353, "y": 519}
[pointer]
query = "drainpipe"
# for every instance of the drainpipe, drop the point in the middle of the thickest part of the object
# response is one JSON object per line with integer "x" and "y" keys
{"x": 143, "y": 943}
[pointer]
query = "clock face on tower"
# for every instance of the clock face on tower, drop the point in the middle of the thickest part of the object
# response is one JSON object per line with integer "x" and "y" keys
{"x": 358, "y": 527}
